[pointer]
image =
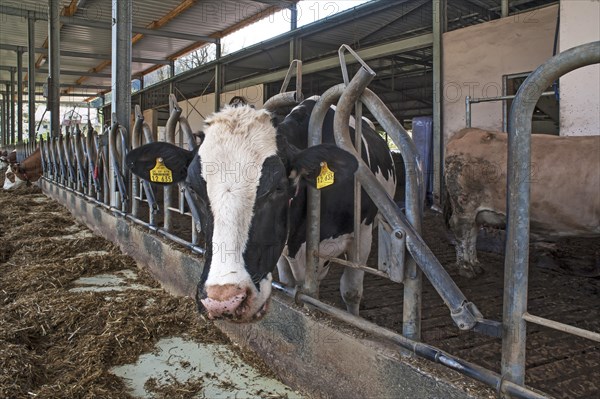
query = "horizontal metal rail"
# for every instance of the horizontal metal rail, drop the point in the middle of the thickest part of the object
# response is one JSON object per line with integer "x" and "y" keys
{"x": 580, "y": 332}
{"x": 469, "y": 100}
{"x": 355, "y": 265}
{"x": 426, "y": 351}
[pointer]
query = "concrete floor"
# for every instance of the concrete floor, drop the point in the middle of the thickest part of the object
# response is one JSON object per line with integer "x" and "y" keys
{"x": 176, "y": 360}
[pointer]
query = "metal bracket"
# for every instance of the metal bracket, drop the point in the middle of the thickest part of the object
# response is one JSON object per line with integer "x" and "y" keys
{"x": 294, "y": 69}
{"x": 342, "y": 57}
{"x": 391, "y": 251}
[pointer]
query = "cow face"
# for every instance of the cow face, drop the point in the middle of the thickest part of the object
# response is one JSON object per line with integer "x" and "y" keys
{"x": 240, "y": 179}
{"x": 12, "y": 179}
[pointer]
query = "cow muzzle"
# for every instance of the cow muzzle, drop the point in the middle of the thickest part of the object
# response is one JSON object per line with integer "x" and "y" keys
{"x": 232, "y": 302}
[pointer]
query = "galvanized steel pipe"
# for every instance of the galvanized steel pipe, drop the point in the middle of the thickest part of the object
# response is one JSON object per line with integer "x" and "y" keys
{"x": 516, "y": 265}
{"x": 429, "y": 352}
{"x": 174, "y": 114}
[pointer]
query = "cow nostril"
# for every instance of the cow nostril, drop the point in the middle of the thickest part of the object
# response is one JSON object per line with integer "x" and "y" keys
{"x": 226, "y": 300}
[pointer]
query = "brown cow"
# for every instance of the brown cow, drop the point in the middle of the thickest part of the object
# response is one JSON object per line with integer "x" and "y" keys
{"x": 26, "y": 172}
{"x": 565, "y": 188}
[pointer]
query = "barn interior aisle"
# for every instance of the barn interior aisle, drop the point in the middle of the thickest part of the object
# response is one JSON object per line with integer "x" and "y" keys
{"x": 75, "y": 314}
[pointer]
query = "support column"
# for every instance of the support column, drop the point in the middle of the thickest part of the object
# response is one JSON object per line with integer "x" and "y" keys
{"x": 218, "y": 76}
{"x": 294, "y": 41}
{"x": 439, "y": 27}
{"x": 12, "y": 105}
{"x": 505, "y": 9}
{"x": 54, "y": 66}
{"x": 31, "y": 75}
{"x": 19, "y": 95}
{"x": 6, "y": 116}
{"x": 2, "y": 121}
{"x": 121, "y": 75}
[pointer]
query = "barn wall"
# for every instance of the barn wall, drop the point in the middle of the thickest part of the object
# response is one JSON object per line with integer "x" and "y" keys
{"x": 206, "y": 104}
{"x": 579, "y": 90}
{"x": 476, "y": 58}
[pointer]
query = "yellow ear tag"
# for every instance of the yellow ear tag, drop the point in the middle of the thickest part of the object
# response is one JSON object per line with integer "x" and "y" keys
{"x": 326, "y": 177}
{"x": 160, "y": 173}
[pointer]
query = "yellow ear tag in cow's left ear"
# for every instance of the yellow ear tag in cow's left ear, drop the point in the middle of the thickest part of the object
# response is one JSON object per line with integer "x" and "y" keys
{"x": 160, "y": 173}
{"x": 326, "y": 177}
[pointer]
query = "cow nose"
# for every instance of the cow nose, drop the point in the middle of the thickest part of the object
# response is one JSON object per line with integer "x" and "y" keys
{"x": 224, "y": 300}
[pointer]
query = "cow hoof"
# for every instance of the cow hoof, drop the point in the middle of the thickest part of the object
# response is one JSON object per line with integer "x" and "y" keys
{"x": 470, "y": 270}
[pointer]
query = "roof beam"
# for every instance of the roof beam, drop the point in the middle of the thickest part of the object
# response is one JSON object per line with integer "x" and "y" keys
{"x": 404, "y": 12}
{"x": 69, "y": 85}
{"x": 366, "y": 54}
{"x": 69, "y": 19}
{"x": 78, "y": 54}
{"x": 481, "y": 9}
{"x": 62, "y": 72}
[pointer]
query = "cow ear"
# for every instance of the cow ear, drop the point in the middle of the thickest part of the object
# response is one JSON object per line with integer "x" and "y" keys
{"x": 160, "y": 163}
{"x": 324, "y": 165}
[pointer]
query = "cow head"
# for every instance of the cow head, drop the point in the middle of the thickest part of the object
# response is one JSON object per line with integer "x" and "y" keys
{"x": 243, "y": 177}
{"x": 12, "y": 178}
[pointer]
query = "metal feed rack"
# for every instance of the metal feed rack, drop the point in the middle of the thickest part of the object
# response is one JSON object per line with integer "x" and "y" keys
{"x": 92, "y": 166}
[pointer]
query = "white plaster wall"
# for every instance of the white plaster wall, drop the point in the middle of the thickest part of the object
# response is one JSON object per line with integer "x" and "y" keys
{"x": 198, "y": 108}
{"x": 580, "y": 89}
{"x": 476, "y": 58}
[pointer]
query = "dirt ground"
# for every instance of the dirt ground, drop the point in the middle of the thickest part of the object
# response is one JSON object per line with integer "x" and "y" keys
{"x": 55, "y": 343}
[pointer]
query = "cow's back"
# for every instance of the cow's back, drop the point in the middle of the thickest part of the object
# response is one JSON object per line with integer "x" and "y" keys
{"x": 565, "y": 179}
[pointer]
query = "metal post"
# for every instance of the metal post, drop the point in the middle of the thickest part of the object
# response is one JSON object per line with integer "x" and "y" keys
{"x": 468, "y": 111}
{"x": 516, "y": 265}
{"x": 31, "y": 75}
{"x": 293, "y": 25}
{"x": 439, "y": 25}
{"x": 218, "y": 77}
{"x": 505, "y": 9}
{"x": 54, "y": 66}
{"x": 12, "y": 106}
{"x": 121, "y": 80}
{"x": 19, "y": 118}
{"x": 2, "y": 121}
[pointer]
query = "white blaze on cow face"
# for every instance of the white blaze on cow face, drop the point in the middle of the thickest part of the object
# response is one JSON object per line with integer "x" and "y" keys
{"x": 11, "y": 180}
{"x": 238, "y": 141}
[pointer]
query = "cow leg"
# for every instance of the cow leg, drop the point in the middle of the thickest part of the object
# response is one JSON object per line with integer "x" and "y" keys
{"x": 285, "y": 272}
{"x": 351, "y": 283}
{"x": 465, "y": 231}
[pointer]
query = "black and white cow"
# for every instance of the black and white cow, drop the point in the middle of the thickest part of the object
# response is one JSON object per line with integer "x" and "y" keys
{"x": 250, "y": 181}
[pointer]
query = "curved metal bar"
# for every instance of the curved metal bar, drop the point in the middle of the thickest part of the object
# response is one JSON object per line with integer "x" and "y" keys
{"x": 52, "y": 158}
{"x": 116, "y": 157}
{"x": 61, "y": 159}
{"x": 343, "y": 48}
{"x": 92, "y": 156}
{"x": 174, "y": 114}
{"x": 136, "y": 142}
{"x": 295, "y": 68}
{"x": 79, "y": 157}
{"x": 313, "y": 225}
{"x": 186, "y": 129}
{"x": 281, "y": 100}
{"x": 465, "y": 314}
{"x": 142, "y": 131}
{"x": 516, "y": 264}
{"x": 44, "y": 153}
{"x": 72, "y": 177}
